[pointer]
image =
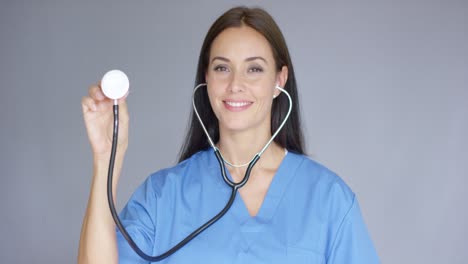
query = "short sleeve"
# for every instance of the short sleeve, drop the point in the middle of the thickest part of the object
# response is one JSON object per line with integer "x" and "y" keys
{"x": 138, "y": 219}
{"x": 352, "y": 244}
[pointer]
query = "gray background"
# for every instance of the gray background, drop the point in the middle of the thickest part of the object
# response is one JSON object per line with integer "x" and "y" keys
{"x": 383, "y": 86}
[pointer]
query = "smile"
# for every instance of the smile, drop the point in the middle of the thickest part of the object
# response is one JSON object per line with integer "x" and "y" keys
{"x": 237, "y": 105}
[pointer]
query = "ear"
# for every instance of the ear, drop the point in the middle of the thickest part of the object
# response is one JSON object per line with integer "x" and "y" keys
{"x": 281, "y": 79}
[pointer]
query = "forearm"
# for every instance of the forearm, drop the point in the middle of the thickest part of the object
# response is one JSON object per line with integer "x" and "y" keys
{"x": 98, "y": 243}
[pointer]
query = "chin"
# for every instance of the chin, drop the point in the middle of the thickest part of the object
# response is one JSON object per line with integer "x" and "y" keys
{"x": 236, "y": 126}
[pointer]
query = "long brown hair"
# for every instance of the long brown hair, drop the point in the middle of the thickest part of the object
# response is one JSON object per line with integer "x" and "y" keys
{"x": 290, "y": 136}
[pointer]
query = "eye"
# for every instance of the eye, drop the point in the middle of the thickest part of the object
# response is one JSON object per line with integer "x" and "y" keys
{"x": 255, "y": 69}
{"x": 220, "y": 68}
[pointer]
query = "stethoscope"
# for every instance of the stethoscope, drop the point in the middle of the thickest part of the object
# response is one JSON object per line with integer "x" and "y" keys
{"x": 115, "y": 85}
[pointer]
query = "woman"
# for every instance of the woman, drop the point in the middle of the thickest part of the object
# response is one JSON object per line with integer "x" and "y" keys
{"x": 292, "y": 210}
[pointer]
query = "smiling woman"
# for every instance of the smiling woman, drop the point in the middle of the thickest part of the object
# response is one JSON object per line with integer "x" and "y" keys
{"x": 291, "y": 210}
{"x": 241, "y": 79}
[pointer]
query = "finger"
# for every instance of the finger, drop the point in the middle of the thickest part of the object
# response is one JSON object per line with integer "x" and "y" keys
{"x": 88, "y": 104}
{"x": 123, "y": 109}
{"x": 123, "y": 104}
{"x": 95, "y": 92}
{"x": 124, "y": 98}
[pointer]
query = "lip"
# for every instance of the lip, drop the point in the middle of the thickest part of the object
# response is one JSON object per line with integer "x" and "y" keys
{"x": 237, "y": 105}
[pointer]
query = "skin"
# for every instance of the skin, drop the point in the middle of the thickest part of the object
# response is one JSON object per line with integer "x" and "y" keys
{"x": 243, "y": 132}
{"x": 98, "y": 243}
{"x": 241, "y": 80}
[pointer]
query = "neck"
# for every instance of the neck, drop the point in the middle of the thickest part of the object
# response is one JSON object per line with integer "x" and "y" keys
{"x": 240, "y": 148}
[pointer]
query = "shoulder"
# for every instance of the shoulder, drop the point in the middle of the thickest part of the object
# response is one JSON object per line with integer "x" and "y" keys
{"x": 312, "y": 172}
{"x": 327, "y": 201}
{"x": 321, "y": 185}
{"x": 181, "y": 172}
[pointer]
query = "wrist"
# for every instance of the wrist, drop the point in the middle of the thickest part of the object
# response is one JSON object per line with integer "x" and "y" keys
{"x": 101, "y": 161}
{"x": 104, "y": 157}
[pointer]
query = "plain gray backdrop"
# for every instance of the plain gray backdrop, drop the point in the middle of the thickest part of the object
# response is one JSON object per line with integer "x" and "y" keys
{"x": 383, "y": 91}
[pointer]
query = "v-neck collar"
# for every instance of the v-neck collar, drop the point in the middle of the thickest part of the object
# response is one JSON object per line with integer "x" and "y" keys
{"x": 271, "y": 200}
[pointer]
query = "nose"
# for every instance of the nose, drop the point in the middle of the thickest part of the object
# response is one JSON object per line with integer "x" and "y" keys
{"x": 236, "y": 83}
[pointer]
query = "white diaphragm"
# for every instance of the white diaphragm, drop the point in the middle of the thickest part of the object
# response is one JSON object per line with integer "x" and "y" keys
{"x": 115, "y": 84}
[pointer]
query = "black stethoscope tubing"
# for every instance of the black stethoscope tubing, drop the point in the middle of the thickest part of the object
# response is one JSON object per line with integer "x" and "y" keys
{"x": 234, "y": 187}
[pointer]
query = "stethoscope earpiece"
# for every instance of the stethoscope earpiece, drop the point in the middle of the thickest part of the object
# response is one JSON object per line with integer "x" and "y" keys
{"x": 279, "y": 88}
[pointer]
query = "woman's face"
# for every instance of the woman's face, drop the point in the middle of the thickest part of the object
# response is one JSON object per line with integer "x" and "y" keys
{"x": 241, "y": 79}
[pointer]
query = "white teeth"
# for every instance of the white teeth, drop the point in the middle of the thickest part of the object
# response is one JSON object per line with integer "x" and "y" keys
{"x": 237, "y": 104}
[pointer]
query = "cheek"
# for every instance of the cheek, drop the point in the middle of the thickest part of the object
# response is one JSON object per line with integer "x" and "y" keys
{"x": 266, "y": 91}
{"x": 212, "y": 95}
{"x": 267, "y": 104}
{"x": 218, "y": 78}
{"x": 264, "y": 101}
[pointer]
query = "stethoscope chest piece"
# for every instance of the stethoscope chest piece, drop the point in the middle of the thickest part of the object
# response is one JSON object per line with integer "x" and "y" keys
{"x": 115, "y": 84}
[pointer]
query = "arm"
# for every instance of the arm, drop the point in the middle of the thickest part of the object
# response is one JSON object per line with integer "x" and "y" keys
{"x": 98, "y": 240}
{"x": 352, "y": 243}
{"x": 98, "y": 243}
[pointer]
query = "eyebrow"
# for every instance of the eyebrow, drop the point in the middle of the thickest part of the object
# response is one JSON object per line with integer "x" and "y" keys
{"x": 248, "y": 59}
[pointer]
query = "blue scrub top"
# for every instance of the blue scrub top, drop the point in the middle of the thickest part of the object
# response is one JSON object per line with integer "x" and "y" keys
{"x": 309, "y": 215}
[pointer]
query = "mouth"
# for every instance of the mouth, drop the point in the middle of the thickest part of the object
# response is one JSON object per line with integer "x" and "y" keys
{"x": 237, "y": 106}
